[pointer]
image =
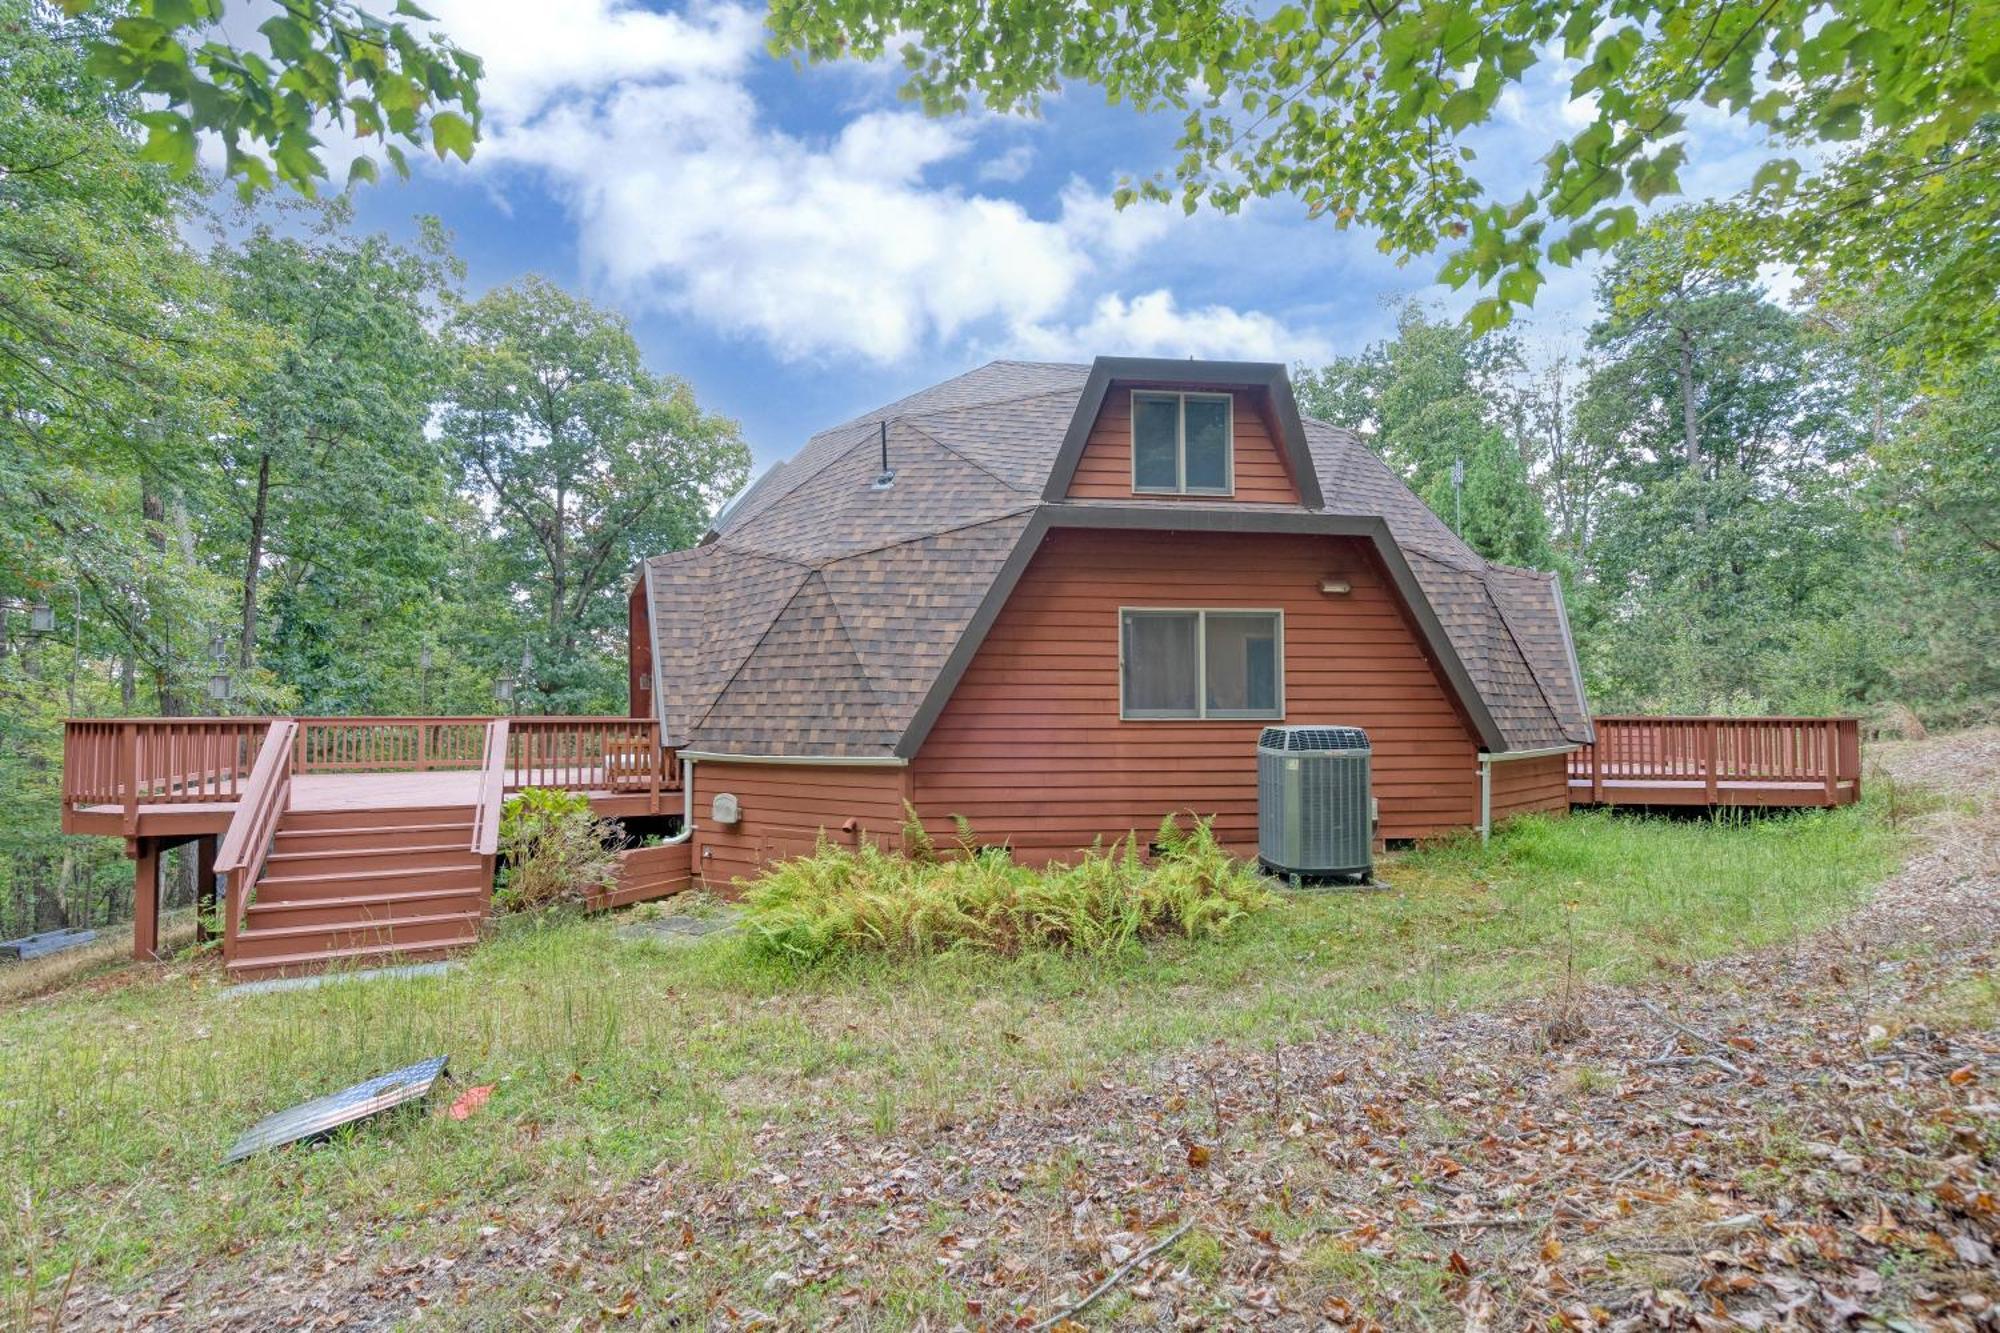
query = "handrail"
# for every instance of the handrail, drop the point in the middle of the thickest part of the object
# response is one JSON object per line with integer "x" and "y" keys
{"x": 492, "y": 788}
{"x": 247, "y": 842}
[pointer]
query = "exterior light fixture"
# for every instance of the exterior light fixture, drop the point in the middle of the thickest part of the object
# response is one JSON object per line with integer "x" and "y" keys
{"x": 42, "y": 618}
{"x": 1335, "y": 587}
{"x": 218, "y": 686}
{"x": 503, "y": 688}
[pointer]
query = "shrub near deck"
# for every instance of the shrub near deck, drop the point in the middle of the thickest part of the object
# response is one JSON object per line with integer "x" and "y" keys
{"x": 843, "y": 900}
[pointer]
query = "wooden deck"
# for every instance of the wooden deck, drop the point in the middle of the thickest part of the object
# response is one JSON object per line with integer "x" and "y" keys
{"x": 1715, "y": 762}
{"x": 392, "y": 822}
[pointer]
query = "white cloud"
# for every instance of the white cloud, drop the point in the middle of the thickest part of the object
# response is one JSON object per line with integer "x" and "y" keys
{"x": 1154, "y": 324}
{"x": 532, "y": 53}
{"x": 686, "y": 198}
{"x": 1009, "y": 166}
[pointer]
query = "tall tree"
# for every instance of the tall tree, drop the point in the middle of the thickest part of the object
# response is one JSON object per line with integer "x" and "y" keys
{"x": 587, "y": 461}
{"x": 330, "y": 466}
{"x": 1432, "y": 397}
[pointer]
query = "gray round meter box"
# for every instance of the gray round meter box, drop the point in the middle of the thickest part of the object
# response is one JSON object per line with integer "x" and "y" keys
{"x": 1315, "y": 811}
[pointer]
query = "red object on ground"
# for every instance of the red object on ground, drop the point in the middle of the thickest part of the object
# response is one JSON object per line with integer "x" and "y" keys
{"x": 469, "y": 1101}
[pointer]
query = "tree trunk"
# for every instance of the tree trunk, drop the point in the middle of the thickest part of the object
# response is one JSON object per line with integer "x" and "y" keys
{"x": 253, "y": 565}
{"x": 1691, "y": 421}
{"x": 1690, "y": 433}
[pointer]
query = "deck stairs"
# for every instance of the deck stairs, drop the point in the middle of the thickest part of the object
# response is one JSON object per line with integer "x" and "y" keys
{"x": 363, "y": 887}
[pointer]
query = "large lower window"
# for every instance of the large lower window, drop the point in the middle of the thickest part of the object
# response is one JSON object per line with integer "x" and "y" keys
{"x": 1192, "y": 664}
{"x": 1181, "y": 443}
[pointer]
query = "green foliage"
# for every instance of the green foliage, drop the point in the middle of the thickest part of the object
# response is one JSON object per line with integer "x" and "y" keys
{"x": 1433, "y": 397}
{"x": 586, "y": 462}
{"x": 1369, "y": 114}
{"x": 232, "y": 443}
{"x": 556, "y": 851}
{"x": 844, "y": 900}
{"x": 329, "y": 61}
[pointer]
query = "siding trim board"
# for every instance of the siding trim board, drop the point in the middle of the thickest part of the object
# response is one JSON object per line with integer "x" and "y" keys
{"x": 809, "y": 760}
{"x": 659, "y": 708}
{"x": 1575, "y": 666}
{"x": 1266, "y": 376}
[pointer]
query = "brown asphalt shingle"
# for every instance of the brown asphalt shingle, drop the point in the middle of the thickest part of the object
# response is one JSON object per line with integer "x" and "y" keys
{"x": 821, "y": 610}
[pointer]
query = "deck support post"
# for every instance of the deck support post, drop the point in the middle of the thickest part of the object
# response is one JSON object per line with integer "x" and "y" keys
{"x": 146, "y": 900}
{"x": 1832, "y": 761}
{"x": 204, "y": 884}
{"x": 128, "y": 763}
{"x": 1714, "y": 758}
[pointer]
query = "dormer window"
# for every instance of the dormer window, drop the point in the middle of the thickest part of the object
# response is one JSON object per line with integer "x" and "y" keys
{"x": 1181, "y": 443}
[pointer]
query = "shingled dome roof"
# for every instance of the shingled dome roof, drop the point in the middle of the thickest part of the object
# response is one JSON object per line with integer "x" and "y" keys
{"x": 825, "y": 616}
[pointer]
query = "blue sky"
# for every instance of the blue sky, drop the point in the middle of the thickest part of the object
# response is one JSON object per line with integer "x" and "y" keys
{"x": 800, "y": 245}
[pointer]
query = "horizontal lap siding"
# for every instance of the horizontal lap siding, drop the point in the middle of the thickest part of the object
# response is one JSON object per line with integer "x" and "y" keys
{"x": 1104, "y": 470}
{"x": 1521, "y": 785}
{"x": 1031, "y": 749}
{"x": 785, "y": 807}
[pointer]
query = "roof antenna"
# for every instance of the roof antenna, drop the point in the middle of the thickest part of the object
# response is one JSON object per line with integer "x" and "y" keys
{"x": 888, "y": 477}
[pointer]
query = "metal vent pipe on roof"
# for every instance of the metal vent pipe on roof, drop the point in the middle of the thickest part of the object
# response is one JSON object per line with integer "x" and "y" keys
{"x": 888, "y": 474}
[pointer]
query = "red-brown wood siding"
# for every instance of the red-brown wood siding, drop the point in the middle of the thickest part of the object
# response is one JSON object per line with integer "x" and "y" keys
{"x": 645, "y": 873}
{"x": 1032, "y": 750}
{"x": 1521, "y": 785}
{"x": 1104, "y": 471}
{"x": 639, "y": 652}
{"x": 785, "y": 807}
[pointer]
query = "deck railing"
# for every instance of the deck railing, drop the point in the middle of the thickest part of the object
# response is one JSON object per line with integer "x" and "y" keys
{"x": 129, "y": 762}
{"x": 609, "y": 753}
{"x": 1718, "y": 752}
{"x": 247, "y": 843}
{"x": 390, "y": 744}
{"x": 158, "y": 760}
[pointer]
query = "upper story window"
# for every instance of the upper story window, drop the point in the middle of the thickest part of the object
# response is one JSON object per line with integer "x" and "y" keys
{"x": 1181, "y": 443}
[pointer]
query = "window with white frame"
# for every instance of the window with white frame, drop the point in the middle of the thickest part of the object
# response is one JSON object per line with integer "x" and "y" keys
{"x": 1201, "y": 664}
{"x": 1181, "y": 443}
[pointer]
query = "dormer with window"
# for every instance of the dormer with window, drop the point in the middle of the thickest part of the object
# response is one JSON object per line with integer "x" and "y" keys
{"x": 1219, "y": 435}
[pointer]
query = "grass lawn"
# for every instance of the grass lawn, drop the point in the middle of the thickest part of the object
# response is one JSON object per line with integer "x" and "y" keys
{"x": 119, "y": 1095}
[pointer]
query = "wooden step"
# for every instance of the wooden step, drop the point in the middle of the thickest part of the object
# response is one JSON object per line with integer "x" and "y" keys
{"x": 304, "y": 941}
{"x": 391, "y": 817}
{"x": 367, "y": 955}
{"x": 350, "y": 839}
{"x": 469, "y": 874}
{"x": 365, "y": 908}
{"x": 318, "y": 861}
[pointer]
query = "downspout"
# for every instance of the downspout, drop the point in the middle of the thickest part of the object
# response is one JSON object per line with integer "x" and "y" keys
{"x": 1485, "y": 796}
{"x": 687, "y": 807}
